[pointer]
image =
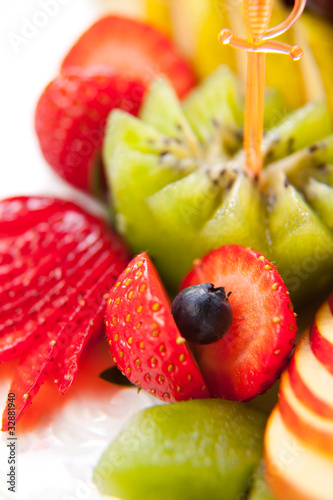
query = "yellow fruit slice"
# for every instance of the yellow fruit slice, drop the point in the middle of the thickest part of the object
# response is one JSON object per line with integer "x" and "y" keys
{"x": 281, "y": 72}
{"x": 319, "y": 34}
{"x": 195, "y": 25}
{"x": 157, "y": 12}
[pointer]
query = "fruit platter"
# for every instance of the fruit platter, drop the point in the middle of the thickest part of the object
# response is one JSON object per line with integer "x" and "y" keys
{"x": 166, "y": 251}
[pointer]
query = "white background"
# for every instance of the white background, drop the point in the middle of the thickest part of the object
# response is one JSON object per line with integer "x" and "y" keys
{"x": 26, "y": 68}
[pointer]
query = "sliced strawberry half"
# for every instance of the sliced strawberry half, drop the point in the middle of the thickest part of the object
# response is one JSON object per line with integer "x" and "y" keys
{"x": 251, "y": 356}
{"x": 70, "y": 121}
{"x": 133, "y": 49}
{"x": 144, "y": 340}
{"x": 57, "y": 262}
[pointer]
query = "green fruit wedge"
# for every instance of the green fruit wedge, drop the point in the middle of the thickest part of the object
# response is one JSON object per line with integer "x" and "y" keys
{"x": 180, "y": 188}
{"x": 239, "y": 219}
{"x": 302, "y": 242}
{"x": 259, "y": 489}
{"x": 320, "y": 197}
{"x": 219, "y": 97}
{"x": 302, "y": 128}
{"x": 184, "y": 451}
{"x": 314, "y": 161}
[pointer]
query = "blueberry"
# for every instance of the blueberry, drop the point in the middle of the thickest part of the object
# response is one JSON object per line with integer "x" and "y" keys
{"x": 202, "y": 313}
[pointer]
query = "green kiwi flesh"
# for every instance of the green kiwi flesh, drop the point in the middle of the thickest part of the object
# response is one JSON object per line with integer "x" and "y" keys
{"x": 179, "y": 186}
{"x": 184, "y": 451}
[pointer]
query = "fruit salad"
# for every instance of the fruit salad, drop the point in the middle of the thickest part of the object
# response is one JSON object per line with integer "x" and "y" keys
{"x": 179, "y": 247}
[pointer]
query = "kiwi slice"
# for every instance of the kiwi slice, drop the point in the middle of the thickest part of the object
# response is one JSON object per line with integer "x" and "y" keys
{"x": 302, "y": 242}
{"x": 214, "y": 107}
{"x": 240, "y": 218}
{"x": 179, "y": 186}
{"x": 297, "y": 130}
{"x": 320, "y": 197}
{"x": 313, "y": 161}
{"x": 184, "y": 451}
{"x": 259, "y": 489}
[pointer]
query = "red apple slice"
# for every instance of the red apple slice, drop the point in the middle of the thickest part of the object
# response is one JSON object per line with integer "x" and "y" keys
{"x": 294, "y": 470}
{"x": 304, "y": 423}
{"x": 310, "y": 380}
{"x": 321, "y": 335}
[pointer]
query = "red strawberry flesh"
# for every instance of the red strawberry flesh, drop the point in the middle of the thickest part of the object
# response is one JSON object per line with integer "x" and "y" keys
{"x": 144, "y": 340}
{"x": 37, "y": 364}
{"x": 61, "y": 261}
{"x": 253, "y": 353}
{"x": 134, "y": 49}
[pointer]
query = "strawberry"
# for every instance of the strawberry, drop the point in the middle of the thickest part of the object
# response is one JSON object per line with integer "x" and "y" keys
{"x": 134, "y": 49}
{"x": 56, "y": 264}
{"x": 70, "y": 121}
{"x": 143, "y": 338}
{"x": 252, "y": 354}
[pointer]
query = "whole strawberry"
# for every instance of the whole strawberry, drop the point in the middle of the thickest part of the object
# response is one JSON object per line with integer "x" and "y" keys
{"x": 134, "y": 49}
{"x": 71, "y": 117}
{"x": 57, "y": 262}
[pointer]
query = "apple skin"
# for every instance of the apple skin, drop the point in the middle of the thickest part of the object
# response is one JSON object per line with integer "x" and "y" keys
{"x": 304, "y": 423}
{"x": 298, "y": 441}
{"x": 309, "y": 379}
{"x": 295, "y": 471}
{"x": 321, "y": 335}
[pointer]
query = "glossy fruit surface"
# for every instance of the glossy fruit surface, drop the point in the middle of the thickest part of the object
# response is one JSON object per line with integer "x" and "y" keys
{"x": 71, "y": 116}
{"x": 251, "y": 356}
{"x": 57, "y": 263}
{"x": 144, "y": 340}
{"x": 184, "y": 451}
{"x": 181, "y": 189}
{"x": 202, "y": 313}
{"x": 134, "y": 49}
